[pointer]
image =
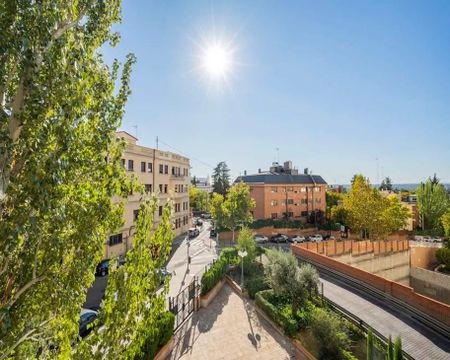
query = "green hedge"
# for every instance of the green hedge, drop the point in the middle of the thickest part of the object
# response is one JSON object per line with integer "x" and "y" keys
{"x": 228, "y": 256}
{"x": 288, "y": 324}
{"x": 278, "y": 224}
{"x": 158, "y": 336}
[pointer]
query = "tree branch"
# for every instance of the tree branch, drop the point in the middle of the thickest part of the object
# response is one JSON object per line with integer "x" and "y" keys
{"x": 24, "y": 288}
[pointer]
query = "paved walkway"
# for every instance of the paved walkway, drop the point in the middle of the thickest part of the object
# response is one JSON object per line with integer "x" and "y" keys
{"x": 229, "y": 328}
{"x": 417, "y": 341}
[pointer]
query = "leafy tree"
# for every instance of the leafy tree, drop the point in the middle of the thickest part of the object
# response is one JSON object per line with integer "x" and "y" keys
{"x": 398, "y": 352}
{"x": 289, "y": 281}
{"x": 433, "y": 202}
{"x": 434, "y": 180}
{"x": 390, "y": 349}
{"x": 445, "y": 220}
{"x": 132, "y": 306}
{"x": 246, "y": 242}
{"x": 330, "y": 335}
{"x": 60, "y": 166}
{"x": 339, "y": 214}
{"x": 194, "y": 181}
{"x": 221, "y": 178}
{"x": 386, "y": 184}
{"x": 367, "y": 212}
{"x": 199, "y": 199}
{"x": 333, "y": 198}
{"x": 217, "y": 213}
{"x": 237, "y": 206}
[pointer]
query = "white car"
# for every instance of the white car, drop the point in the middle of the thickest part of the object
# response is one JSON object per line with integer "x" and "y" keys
{"x": 316, "y": 238}
{"x": 297, "y": 239}
{"x": 261, "y": 239}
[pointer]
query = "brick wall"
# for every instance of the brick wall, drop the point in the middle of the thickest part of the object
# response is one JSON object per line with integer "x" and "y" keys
{"x": 433, "y": 308}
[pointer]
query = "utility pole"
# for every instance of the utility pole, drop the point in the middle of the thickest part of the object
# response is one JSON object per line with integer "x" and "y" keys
{"x": 157, "y": 143}
{"x": 135, "y": 130}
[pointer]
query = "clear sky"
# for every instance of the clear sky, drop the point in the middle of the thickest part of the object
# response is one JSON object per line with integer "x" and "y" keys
{"x": 334, "y": 85}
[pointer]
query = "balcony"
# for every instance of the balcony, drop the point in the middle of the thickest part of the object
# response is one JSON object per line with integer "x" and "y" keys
{"x": 177, "y": 177}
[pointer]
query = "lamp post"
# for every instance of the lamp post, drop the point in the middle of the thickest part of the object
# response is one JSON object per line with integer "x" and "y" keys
{"x": 242, "y": 254}
{"x": 188, "y": 243}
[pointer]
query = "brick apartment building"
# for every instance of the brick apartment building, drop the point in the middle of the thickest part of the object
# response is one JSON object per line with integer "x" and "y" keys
{"x": 163, "y": 173}
{"x": 282, "y": 192}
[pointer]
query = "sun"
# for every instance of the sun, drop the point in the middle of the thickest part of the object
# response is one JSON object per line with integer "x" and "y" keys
{"x": 216, "y": 60}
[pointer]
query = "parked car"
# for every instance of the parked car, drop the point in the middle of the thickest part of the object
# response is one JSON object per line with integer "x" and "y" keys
{"x": 164, "y": 273}
{"x": 279, "y": 238}
{"x": 316, "y": 238}
{"x": 329, "y": 237}
{"x": 212, "y": 233}
{"x": 87, "y": 316}
{"x": 297, "y": 239}
{"x": 193, "y": 232}
{"x": 102, "y": 268}
{"x": 199, "y": 223}
{"x": 206, "y": 216}
{"x": 261, "y": 239}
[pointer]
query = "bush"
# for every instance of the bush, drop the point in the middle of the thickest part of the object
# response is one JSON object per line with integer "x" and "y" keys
{"x": 230, "y": 255}
{"x": 213, "y": 275}
{"x": 288, "y": 324}
{"x": 443, "y": 256}
{"x": 331, "y": 339}
{"x": 158, "y": 336}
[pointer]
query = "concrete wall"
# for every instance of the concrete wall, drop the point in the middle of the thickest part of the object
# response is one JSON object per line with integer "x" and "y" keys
{"x": 431, "y": 283}
{"x": 393, "y": 266}
{"x": 423, "y": 255}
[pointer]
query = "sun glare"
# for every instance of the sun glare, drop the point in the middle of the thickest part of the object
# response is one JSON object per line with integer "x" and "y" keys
{"x": 216, "y": 60}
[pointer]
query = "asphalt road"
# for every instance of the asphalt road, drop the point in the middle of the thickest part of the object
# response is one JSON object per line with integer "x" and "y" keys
{"x": 202, "y": 251}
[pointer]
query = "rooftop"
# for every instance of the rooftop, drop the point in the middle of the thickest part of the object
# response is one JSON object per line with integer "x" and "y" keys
{"x": 275, "y": 178}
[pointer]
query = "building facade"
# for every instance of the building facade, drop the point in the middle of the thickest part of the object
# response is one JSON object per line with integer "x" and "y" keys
{"x": 162, "y": 173}
{"x": 283, "y": 193}
{"x": 203, "y": 183}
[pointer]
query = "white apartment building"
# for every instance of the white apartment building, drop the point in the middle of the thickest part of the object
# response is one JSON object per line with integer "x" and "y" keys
{"x": 164, "y": 173}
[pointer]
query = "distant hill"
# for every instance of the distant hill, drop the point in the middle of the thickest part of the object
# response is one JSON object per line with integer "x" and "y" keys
{"x": 403, "y": 186}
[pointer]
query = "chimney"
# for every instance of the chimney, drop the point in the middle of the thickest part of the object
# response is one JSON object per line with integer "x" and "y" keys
{"x": 259, "y": 171}
{"x": 305, "y": 171}
{"x": 245, "y": 172}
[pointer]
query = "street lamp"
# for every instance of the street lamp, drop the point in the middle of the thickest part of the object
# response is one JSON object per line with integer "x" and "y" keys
{"x": 188, "y": 243}
{"x": 242, "y": 254}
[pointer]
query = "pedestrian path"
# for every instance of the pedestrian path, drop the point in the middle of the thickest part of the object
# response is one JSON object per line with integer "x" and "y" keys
{"x": 229, "y": 329}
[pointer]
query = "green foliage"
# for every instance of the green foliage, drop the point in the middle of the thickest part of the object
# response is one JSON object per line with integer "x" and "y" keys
{"x": 255, "y": 279}
{"x": 198, "y": 199}
{"x": 217, "y": 271}
{"x": 386, "y": 184}
{"x": 132, "y": 302}
{"x": 443, "y": 256}
{"x": 398, "y": 352}
{"x": 221, "y": 178}
{"x": 287, "y": 323}
{"x": 333, "y": 198}
{"x": 234, "y": 210}
{"x": 339, "y": 215}
{"x": 247, "y": 243}
{"x": 433, "y": 202}
{"x": 277, "y": 224}
{"x": 157, "y": 336}
{"x": 288, "y": 280}
{"x": 60, "y": 161}
{"x": 370, "y": 347}
{"x": 445, "y": 220}
{"x": 390, "y": 349}
{"x": 369, "y": 212}
{"x": 330, "y": 335}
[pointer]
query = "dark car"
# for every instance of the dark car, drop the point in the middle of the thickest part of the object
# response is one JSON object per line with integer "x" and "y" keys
{"x": 212, "y": 233}
{"x": 193, "y": 232}
{"x": 87, "y": 316}
{"x": 279, "y": 238}
{"x": 102, "y": 268}
{"x": 199, "y": 223}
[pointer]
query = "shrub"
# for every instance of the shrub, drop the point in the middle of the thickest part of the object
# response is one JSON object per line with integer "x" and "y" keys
{"x": 157, "y": 336}
{"x": 230, "y": 255}
{"x": 213, "y": 275}
{"x": 398, "y": 352}
{"x": 255, "y": 284}
{"x": 330, "y": 336}
{"x": 288, "y": 324}
{"x": 443, "y": 256}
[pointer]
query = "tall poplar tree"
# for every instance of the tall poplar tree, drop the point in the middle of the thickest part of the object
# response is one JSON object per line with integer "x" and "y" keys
{"x": 221, "y": 178}
{"x": 433, "y": 202}
{"x": 59, "y": 165}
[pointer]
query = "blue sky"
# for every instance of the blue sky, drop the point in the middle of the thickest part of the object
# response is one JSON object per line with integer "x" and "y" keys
{"x": 333, "y": 84}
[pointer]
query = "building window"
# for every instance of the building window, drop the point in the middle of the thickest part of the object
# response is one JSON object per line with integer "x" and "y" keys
{"x": 176, "y": 188}
{"x": 143, "y": 166}
{"x": 161, "y": 168}
{"x": 165, "y": 188}
{"x": 304, "y": 213}
{"x": 274, "y": 190}
{"x": 160, "y": 211}
{"x": 290, "y": 201}
{"x": 304, "y": 201}
{"x": 274, "y": 203}
{"x": 317, "y": 189}
{"x": 290, "y": 188}
{"x": 150, "y": 167}
{"x": 115, "y": 239}
{"x": 148, "y": 188}
{"x": 122, "y": 161}
{"x": 274, "y": 215}
{"x": 130, "y": 165}
{"x": 290, "y": 214}
{"x": 166, "y": 169}
{"x": 135, "y": 214}
{"x": 160, "y": 188}
{"x": 303, "y": 189}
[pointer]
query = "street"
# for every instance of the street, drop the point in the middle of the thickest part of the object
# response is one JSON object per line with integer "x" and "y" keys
{"x": 202, "y": 251}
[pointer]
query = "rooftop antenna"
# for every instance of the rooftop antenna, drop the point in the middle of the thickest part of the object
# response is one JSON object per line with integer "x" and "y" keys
{"x": 278, "y": 154}
{"x": 157, "y": 143}
{"x": 378, "y": 171}
{"x": 135, "y": 130}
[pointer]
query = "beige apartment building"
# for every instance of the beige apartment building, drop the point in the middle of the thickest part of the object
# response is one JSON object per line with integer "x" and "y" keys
{"x": 161, "y": 172}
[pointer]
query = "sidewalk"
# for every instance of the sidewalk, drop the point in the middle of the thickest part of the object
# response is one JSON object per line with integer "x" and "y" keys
{"x": 229, "y": 328}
